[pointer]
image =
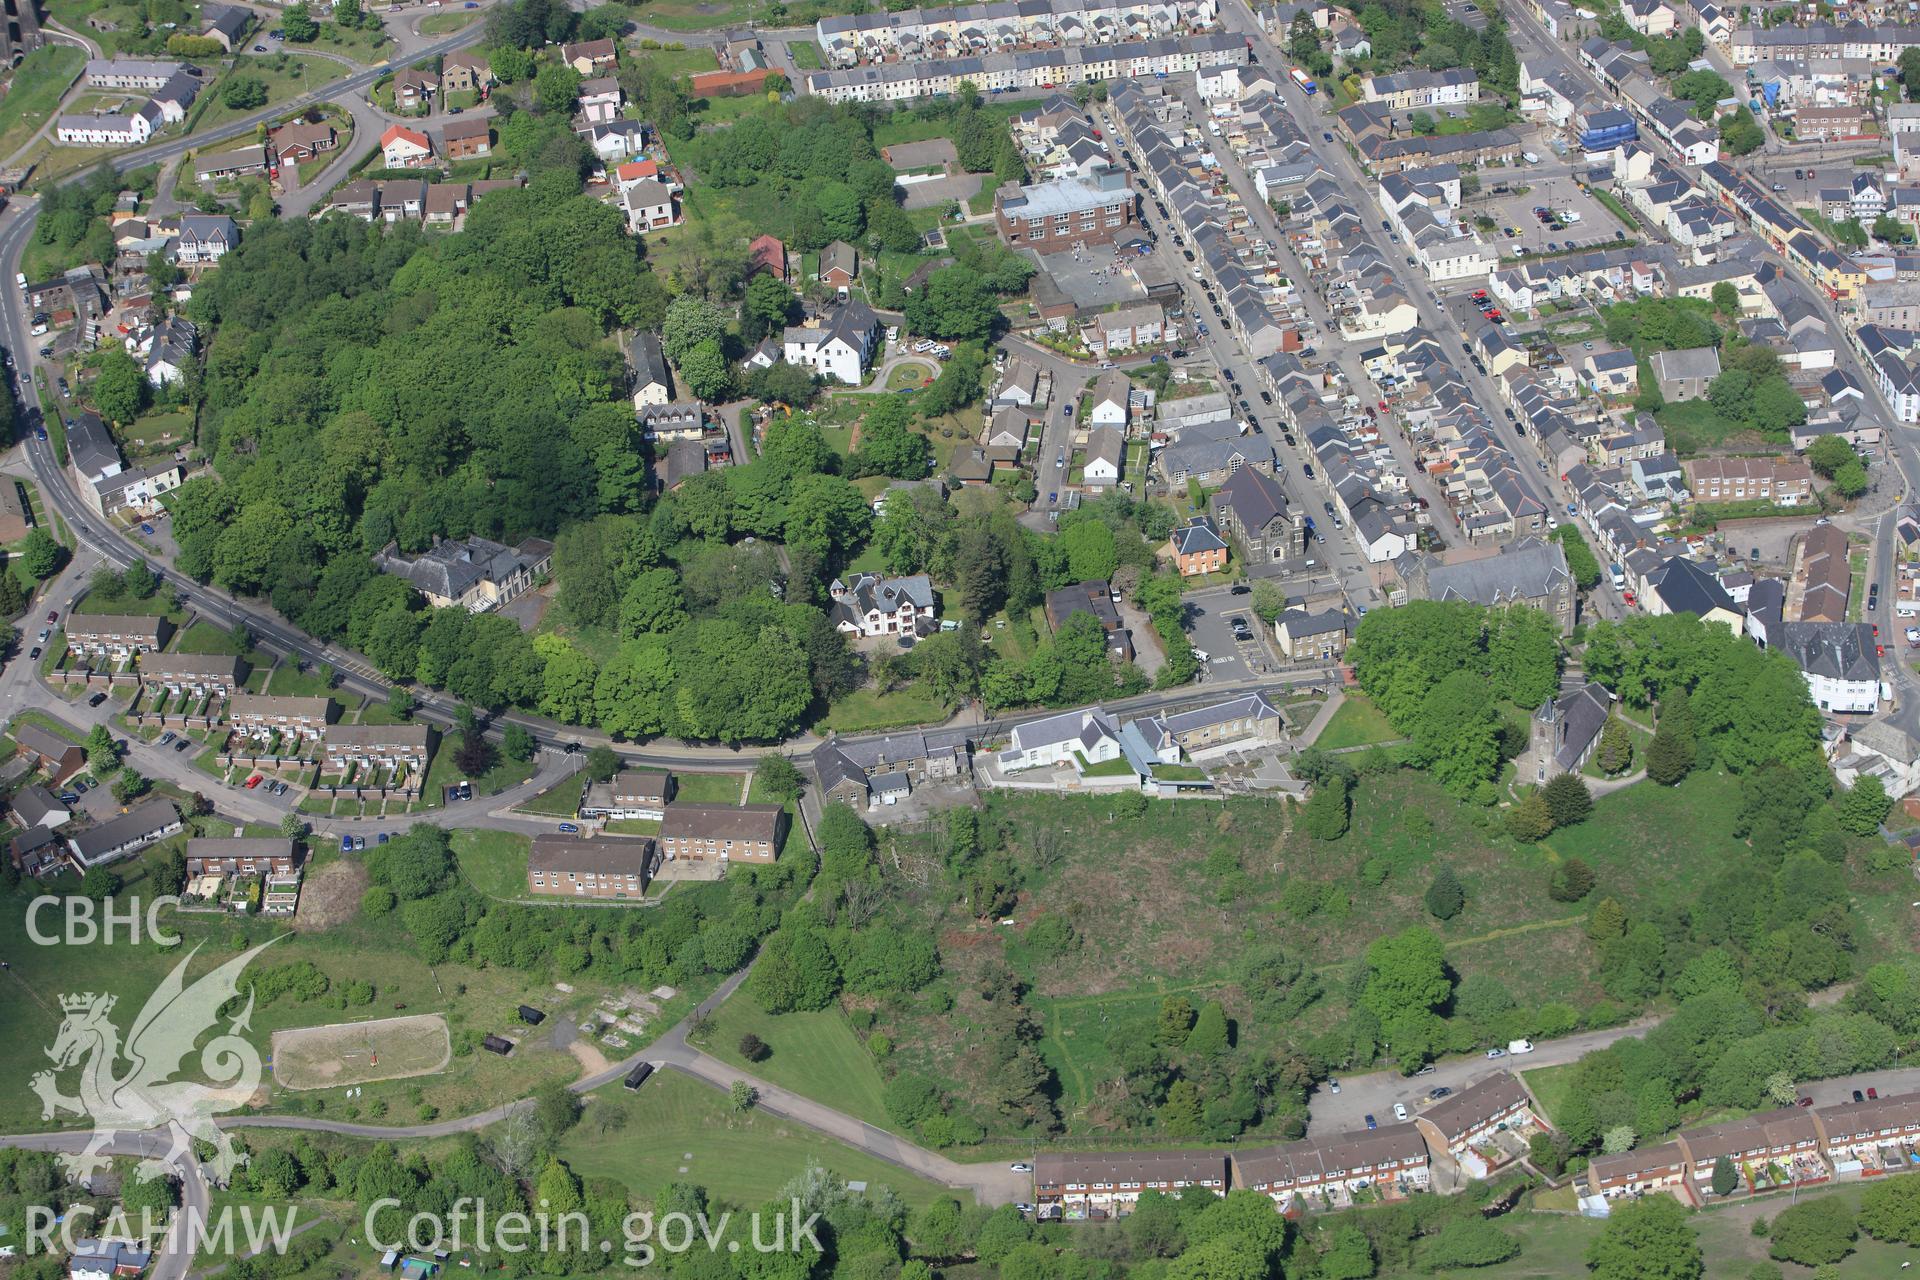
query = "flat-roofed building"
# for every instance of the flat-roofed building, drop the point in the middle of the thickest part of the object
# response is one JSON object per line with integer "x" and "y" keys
{"x": 563, "y": 866}
{"x": 1077, "y": 1186}
{"x": 723, "y": 833}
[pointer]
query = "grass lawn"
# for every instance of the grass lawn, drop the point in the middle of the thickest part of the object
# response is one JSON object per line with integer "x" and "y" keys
{"x": 742, "y": 1159}
{"x": 368, "y": 44}
{"x": 632, "y": 827}
{"x": 158, "y": 432}
{"x": 700, "y": 15}
{"x": 38, "y": 85}
{"x": 1357, "y": 723}
{"x": 682, "y": 62}
{"x": 865, "y": 709}
{"x": 445, "y": 24}
{"x": 812, "y": 1053}
{"x": 494, "y": 862}
{"x": 286, "y": 75}
{"x": 290, "y": 682}
{"x": 708, "y": 788}
{"x": 561, "y": 800}
{"x": 806, "y": 55}
{"x": 205, "y": 637}
{"x": 1551, "y": 1086}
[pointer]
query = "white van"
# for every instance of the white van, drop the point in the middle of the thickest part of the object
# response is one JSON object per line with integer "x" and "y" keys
{"x": 1519, "y": 1046}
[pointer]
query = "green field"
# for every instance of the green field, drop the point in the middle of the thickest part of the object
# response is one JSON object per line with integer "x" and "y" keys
{"x": 1357, "y": 723}
{"x": 38, "y": 85}
{"x": 682, "y": 62}
{"x": 561, "y": 800}
{"x": 286, "y": 75}
{"x": 816, "y": 1054}
{"x": 806, "y": 55}
{"x": 866, "y": 709}
{"x": 494, "y": 862}
{"x": 474, "y": 1000}
{"x": 708, "y": 788}
{"x": 681, "y": 1130}
{"x": 445, "y": 24}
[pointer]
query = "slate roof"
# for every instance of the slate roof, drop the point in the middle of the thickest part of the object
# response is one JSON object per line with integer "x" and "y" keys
{"x": 648, "y": 361}
{"x": 1584, "y": 712}
{"x": 1688, "y": 588}
{"x": 1197, "y": 536}
{"x": 1835, "y": 650}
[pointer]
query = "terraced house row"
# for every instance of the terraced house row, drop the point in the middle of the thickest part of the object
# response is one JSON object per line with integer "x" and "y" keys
{"x": 1472, "y": 1133}
{"x": 1793, "y": 1146}
{"x": 1033, "y": 69}
{"x": 1004, "y": 26}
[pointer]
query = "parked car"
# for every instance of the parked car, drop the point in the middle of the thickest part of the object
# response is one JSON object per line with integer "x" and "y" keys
{"x": 1399, "y": 1111}
{"x": 1333, "y": 1086}
{"x": 1873, "y": 1094}
{"x": 1805, "y": 1101}
{"x": 183, "y": 744}
{"x": 346, "y": 844}
{"x": 1427, "y": 1070}
{"x": 1020, "y": 1166}
{"x": 254, "y": 781}
{"x": 34, "y": 654}
{"x": 1371, "y": 1122}
{"x": 167, "y": 737}
{"x": 1859, "y": 1096}
{"x": 96, "y": 699}
{"x": 147, "y": 529}
{"x": 1496, "y": 1053}
{"x": 569, "y": 828}
{"x": 53, "y": 617}
{"x": 1439, "y": 1092}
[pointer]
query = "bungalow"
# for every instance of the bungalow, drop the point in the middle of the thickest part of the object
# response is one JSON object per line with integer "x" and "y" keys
{"x": 144, "y": 824}
{"x": 404, "y": 148}
{"x": 871, "y": 606}
{"x": 299, "y": 142}
{"x": 1197, "y": 547}
{"x": 723, "y": 833}
{"x": 237, "y": 163}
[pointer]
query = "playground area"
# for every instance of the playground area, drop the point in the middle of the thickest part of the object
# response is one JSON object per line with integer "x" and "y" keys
{"x": 361, "y": 1052}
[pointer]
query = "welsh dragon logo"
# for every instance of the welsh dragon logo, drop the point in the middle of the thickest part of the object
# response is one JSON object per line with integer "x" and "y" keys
{"x": 144, "y": 1096}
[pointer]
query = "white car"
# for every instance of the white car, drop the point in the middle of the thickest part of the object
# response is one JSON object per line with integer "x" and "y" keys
{"x": 1496, "y": 1053}
{"x": 1021, "y": 1167}
{"x": 1399, "y": 1111}
{"x": 1333, "y": 1086}
{"x": 1020, "y": 1206}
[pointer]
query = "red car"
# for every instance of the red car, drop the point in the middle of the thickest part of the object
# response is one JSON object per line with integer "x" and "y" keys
{"x": 1478, "y": 294}
{"x": 1494, "y": 316}
{"x": 1383, "y": 406}
{"x": 1874, "y": 1094}
{"x": 254, "y": 781}
{"x": 53, "y": 617}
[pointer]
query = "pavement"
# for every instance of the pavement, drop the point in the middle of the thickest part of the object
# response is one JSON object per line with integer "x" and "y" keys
{"x": 1375, "y": 1093}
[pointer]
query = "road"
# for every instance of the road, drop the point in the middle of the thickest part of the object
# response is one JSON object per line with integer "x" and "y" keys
{"x": 175, "y": 1254}
{"x": 1375, "y": 1093}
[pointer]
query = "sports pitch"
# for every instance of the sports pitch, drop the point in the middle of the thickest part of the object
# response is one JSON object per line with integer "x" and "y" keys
{"x": 361, "y": 1052}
